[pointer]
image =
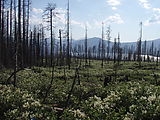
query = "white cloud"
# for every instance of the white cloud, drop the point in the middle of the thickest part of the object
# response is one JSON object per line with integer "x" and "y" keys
{"x": 61, "y": 10}
{"x": 37, "y": 11}
{"x": 113, "y": 2}
{"x": 88, "y": 25}
{"x": 97, "y": 23}
{"x": 114, "y": 8}
{"x": 116, "y": 18}
{"x": 81, "y": 24}
{"x": 74, "y": 22}
{"x": 61, "y": 16}
{"x": 156, "y": 10}
{"x": 59, "y": 20}
{"x": 145, "y": 4}
{"x": 35, "y": 20}
{"x": 155, "y": 19}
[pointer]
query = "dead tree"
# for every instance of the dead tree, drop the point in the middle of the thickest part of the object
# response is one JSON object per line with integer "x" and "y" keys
{"x": 102, "y": 51}
{"x": 27, "y": 31}
{"x": 11, "y": 32}
{"x": 144, "y": 52}
{"x": 31, "y": 51}
{"x": 15, "y": 44}
{"x": 1, "y": 33}
{"x": 46, "y": 53}
{"x": 99, "y": 49}
{"x": 49, "y": 13}
{"x": 108, "y": 32}
{"x": 60, "y": 55}
{"x": 24, "y": 34}
{"x": 86, "y": 47}
{"x": 71, "y": 42}
{"x": 19, "y": 40}
{"x": 8, "y": 47}
{"x": 42, "y": 46}
{"x": 157, "y": 61}
{"x": 139, "y": 46}
{"x": 115, "y": 50}
{"x": 119, "y": 49}
{"x": 72, "y": 87}
{"x": 68, "y": 30}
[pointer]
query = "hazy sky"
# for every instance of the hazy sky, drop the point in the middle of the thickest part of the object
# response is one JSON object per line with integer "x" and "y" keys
{"x": 123, "y": 16}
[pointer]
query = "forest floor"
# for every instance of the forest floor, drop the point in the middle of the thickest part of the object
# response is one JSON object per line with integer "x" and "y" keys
{"x": 83, "y": 92}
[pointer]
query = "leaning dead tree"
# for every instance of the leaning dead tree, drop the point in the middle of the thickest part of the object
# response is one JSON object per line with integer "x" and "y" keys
{"x": 76, "y": 77}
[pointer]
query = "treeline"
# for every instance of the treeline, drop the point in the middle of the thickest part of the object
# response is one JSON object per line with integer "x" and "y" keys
{"x": 24, "y": 46}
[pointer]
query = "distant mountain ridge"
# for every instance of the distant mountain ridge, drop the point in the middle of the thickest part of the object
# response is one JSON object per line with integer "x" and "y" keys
{"x": 95, "y": 42}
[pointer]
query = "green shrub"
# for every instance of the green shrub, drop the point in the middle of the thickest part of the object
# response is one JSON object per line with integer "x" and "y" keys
{"x": 20, "y": 105}
{"x": 130, "y": 100}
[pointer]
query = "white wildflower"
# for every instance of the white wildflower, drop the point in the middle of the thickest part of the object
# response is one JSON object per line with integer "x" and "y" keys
{"x": 132, "y": 108}
{"x": 79, "y": 113}
{"x": 151, "y": 98}
{"x": 25, "y": 114}
{"x": 143, "y": 98}
{"x": 97, "y": 98}
{"x": 36, "y": 103}
{"x": 14, "y": 111}
{"x": 144, "y": 111}
{"x": 26, "y": 105}
{"x": 127, "y": 118}
{"x": 132, "y": 92}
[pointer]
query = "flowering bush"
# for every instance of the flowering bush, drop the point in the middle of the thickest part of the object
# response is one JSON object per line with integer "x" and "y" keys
{"x": 17, "y": 104}
{"x": 130, "y": 100}
{"x": 89, "y": 100}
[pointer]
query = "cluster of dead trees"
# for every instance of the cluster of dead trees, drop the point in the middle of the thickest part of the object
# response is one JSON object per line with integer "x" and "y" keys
{"x": 113, "y": 51}
{"x": 24, "y": 46}
{"x": 20, "y": 46}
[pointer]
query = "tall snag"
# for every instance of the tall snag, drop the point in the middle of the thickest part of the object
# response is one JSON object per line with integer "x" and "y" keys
{"x": 48, "y": 15}
{"x": 139, "y": 46}
{"x": 103, "y": 50}
{"x": 68, "y": 30}
{"x": 86, "y": 47}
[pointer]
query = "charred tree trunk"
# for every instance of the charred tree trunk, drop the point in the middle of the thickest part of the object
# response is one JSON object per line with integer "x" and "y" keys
{"x": 102, "y": 52}
{"x": 60, "y": 55}
{"x": 31, "y": 50}
{"x": 86, "y": 47}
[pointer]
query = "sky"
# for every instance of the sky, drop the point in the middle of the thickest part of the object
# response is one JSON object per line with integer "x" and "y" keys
{"x": 123, "y": 16}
